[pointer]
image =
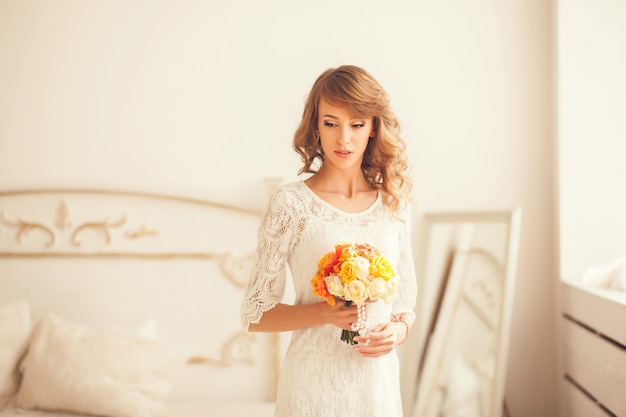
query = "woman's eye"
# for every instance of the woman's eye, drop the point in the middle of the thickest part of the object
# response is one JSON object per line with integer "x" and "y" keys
{"x": 330, "y": 124}
{"x": 357, "y": 125}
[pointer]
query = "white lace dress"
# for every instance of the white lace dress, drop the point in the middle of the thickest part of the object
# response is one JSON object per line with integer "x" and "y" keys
{"x": 322, "y": 376}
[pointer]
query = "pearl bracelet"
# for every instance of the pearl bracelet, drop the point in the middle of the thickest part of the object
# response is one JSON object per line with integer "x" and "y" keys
{"x": 400, "y": 319}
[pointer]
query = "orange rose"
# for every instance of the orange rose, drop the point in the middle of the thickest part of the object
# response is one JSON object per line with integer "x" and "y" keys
{"x": 348, "y": 252}
{"x": 327, "y": 262}
{"x": 367, "y": 251}
{"x": 319, "y": 288}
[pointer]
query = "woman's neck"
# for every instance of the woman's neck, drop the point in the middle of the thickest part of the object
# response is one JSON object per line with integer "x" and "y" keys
{"x": 344, "y": 183}
{"x": 352, "y": 196}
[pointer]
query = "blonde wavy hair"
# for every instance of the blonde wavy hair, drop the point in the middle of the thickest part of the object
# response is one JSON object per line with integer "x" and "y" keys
{"x": 385, "y": 164}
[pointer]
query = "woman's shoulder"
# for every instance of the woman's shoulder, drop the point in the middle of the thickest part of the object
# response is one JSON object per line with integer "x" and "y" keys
{"x": 288, "y": 194}
{"x": 293, "y": 186}
{"x": 403, "y": 212}
{"x": 290, "y": 190}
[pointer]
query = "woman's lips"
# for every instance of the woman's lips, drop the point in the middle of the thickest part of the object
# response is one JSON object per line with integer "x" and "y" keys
{"x": 343, "y": 154}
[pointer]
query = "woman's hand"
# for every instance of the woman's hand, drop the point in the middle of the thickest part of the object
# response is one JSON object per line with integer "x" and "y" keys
{"x": 340, "y": 315}
{"x": 381, "y": 340}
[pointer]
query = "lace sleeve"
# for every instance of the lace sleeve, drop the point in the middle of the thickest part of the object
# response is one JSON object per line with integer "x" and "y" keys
{"x": 276, "y": 238}
{"x": 407, "y": 287}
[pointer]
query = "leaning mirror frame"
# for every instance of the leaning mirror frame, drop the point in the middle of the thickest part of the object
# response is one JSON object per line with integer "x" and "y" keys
{"x": 466, "y": 267}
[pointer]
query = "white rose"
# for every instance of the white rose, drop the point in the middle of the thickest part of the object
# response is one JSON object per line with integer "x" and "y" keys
{"x": 392, "y": 287}
{"x": 377, "y": 289}
{"x": 334, "y": 285}
{"x": 363, "y": 267}
{"x": 356, "y": 291}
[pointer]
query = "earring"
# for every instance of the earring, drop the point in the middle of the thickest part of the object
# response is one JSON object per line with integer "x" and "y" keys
{"x": 318, "y": 138}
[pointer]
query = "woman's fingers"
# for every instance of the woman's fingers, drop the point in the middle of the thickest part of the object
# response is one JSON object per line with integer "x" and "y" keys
{"x": 379, "y": 341}
{"x": 344, "y": 315}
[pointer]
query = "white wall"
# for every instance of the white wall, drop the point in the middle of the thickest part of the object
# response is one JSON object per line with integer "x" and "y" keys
{"x": 202, "y": 97}
{"x": 592, "y": 133}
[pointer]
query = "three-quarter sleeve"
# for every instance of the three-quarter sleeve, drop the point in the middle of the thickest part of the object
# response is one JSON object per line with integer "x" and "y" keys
{"x": 276, "y": 238}
{"x": 407, "y": 286}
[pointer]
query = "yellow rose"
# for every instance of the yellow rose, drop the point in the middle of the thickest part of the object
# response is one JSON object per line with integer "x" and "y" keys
{"x": 381, "y": 267}
{"x": 356, "y": 291}
{"x": 349, "y": 271}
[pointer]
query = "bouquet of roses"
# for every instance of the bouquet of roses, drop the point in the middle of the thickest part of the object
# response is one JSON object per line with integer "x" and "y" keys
{"x": 356, "y": 273}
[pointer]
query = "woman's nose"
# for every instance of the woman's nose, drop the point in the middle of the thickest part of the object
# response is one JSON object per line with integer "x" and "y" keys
{"x": 344, "y": 137}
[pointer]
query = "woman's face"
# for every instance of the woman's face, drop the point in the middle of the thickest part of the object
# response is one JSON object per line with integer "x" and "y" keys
{"x": 343, "y": 137}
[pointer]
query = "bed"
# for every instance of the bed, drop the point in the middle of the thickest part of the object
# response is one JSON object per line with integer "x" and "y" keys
{"x": 593, "y": 329}
{"x": 122, "y": 303}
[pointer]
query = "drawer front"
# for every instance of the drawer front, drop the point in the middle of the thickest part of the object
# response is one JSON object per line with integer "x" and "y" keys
{"x": 578, "y": 404}
{"x": 597, "y": 365}
{"x": 602, "y": 314}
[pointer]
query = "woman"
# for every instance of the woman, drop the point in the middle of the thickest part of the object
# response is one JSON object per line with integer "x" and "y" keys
{"x": 349, "y": 141}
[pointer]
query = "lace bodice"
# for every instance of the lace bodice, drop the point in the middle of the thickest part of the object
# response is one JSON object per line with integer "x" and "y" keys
{"x": 321, "y": 375}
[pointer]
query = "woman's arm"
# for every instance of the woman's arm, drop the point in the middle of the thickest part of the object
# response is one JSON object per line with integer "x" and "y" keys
{"x": 286, "y": 317}
{"x": 277, "y": 236}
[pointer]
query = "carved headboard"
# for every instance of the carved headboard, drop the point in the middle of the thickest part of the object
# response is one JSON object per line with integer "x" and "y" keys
{"x": 122, "y": 258}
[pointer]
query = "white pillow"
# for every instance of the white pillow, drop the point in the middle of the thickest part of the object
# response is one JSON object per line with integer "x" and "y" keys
{"x": 71, "y": 367}
{"x": 15, "y": 327}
